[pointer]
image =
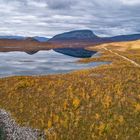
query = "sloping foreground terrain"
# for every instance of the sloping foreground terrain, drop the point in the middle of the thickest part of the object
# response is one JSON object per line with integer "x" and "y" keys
{"x": 99, "y": 103}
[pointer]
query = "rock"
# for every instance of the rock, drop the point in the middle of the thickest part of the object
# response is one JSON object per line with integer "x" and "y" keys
{"x": 10, "y": 130}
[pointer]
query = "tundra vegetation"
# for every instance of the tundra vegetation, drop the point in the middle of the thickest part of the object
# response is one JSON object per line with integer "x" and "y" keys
{"x": 99, "y": 103}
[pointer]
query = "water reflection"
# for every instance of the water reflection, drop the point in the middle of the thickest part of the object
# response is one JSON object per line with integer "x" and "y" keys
{"x": 40, "y": 63}
{"x": 76, "y": 52}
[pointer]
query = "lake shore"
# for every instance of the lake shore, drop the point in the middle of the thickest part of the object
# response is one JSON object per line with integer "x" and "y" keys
{"x": 97, "y": 103}
{"x": 43, "y": 63}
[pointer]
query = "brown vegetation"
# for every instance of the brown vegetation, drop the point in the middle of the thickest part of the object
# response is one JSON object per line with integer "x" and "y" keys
{"x": 30, "y": 44}
{"x": 99, "y": 103}
{"x": 22, "y": 45}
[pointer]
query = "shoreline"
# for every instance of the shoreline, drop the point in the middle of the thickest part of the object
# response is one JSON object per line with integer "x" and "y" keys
{"x": 100, "y": 99}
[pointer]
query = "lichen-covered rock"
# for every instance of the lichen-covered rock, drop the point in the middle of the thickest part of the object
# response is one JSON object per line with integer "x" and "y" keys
{"x": 10, "y": 130}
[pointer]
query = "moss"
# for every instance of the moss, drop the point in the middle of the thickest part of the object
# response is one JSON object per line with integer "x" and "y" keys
{"x": 2, "y": 134}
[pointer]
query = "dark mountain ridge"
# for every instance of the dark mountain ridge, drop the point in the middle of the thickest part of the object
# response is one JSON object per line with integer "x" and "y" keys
{"x": 123, "y": 38}
{"x": 73, "y": 39}
{"x": 37, "y": 38}
{"x": 78, "y": 35}
{"x": 73, "y": 43}
{"x": 88, "y": 35}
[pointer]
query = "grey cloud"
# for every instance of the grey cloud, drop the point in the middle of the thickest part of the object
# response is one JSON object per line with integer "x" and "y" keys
{"x": 49, "y": 17}
{"x": 59, "y": 5}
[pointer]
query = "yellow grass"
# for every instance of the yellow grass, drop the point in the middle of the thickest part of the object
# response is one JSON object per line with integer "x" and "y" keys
{"x": 121, "y": 46}
{"x": 102, "y": 103}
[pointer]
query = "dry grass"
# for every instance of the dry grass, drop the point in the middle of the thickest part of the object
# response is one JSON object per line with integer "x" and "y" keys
{"x": 100, "y": 103}
{"x": 121, "y": 46}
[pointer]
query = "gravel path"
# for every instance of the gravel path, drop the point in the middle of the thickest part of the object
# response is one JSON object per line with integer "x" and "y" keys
{"x": 10, "y": 130}
{"x": 131, "y": 61}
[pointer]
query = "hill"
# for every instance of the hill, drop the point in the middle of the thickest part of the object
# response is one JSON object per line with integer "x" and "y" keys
{"x": 77, "y": 35}
{"x": 86, "y": 38}
{"x": 88, "y": 35}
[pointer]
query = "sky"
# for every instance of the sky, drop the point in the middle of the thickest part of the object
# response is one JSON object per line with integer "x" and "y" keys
{"x": 51, "y": 17}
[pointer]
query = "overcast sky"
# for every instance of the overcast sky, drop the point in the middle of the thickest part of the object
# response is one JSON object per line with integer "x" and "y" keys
{"x": 50, "y": 17}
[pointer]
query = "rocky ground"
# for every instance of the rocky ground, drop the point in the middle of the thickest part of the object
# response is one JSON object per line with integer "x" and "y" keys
{"x": 10, "y": 130}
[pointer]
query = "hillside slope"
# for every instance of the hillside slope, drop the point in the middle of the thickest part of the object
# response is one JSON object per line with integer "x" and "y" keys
{"x": 99, "y": 103}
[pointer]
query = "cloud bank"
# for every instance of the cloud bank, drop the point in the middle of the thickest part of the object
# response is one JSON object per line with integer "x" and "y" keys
{"x": 50, "y": 17}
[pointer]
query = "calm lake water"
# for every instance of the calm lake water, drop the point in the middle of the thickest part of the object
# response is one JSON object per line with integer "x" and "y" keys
{"x": 40, "y": 63}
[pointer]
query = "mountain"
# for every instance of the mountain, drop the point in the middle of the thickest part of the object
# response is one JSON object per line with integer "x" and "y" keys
{"x": 124, "y": 38}
{"x": 41, "y": 39}
{"x": 77, "y": 35}
{"x": 88, "y": 35}
{"x": 13, "y": 37}
{"x": 72, "y": 39}
{"x": 85, "y": 38}
{"x": 72, "y": 43}
{"x": 38, "y": 38}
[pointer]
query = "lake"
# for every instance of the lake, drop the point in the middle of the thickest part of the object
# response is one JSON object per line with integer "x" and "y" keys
{"x": 40, "y": 63}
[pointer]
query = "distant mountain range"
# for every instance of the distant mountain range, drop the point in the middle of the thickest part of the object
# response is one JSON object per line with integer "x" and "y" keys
{"x": 13, "y": 37}
{"x": 40, "y": 39}
{"x": 123, "y": 38}
{"x": 72, "y": 39}
{"x": 84, "y": 38}
{"x": 88, "y": 35}
{"x": 76, "y": 36}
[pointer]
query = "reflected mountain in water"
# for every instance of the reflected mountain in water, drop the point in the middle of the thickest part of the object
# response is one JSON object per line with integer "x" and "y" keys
{"x": 31, "y": 52}
{"x": 41, "y": 63}
{"x": 75, "y": 52}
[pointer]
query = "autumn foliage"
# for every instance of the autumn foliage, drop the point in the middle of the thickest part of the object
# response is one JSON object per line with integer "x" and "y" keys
{"x": 102, "y": 103}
